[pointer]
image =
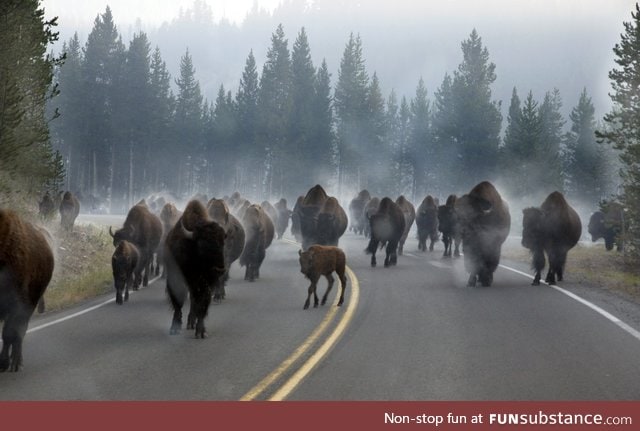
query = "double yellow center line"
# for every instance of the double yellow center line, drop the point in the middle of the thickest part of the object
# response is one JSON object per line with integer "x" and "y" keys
{"x": 321, "y": 351}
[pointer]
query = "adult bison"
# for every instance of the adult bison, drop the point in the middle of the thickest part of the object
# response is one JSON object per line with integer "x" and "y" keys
{"x": 69, "y": 210}
{"x": 26, "y": 267}
{"x": 308, "y": 215}
{"x": 449, "y": 225}
{"x": 284, "y": 214}
{"x": 331, "y": 223}
{"x": 554, "y": 229}
{"x": 484, "y": 225}
{"x": 356, "y": 211}
{"x": 427, "y": 223}
{"x": 234, "y": 239}
{"x": 46, "y": 207}
{"x": 259, "y": 232}
{"x": 608, "y": 223}
{"x": 194, "y": 255}
{"x": 169, "y": 216}
{"x": 409, "y": 212}
{"x": 144, "y": 230}
{"x": 124, "y": 262}
{"x": 295, "y": 219}
{"x": 386, "y": 227}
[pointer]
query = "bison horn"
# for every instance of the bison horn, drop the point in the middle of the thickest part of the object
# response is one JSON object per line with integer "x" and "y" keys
{"x": 187, "y": 233}
{"x": 111, "y": 232}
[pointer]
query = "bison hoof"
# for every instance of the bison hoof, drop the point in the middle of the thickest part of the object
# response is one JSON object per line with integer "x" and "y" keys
{"x": 306, "y": 306}
{"x": 535, "y": 283}
{"x": 119, "y": 300}
{"x": 175, "y": 330}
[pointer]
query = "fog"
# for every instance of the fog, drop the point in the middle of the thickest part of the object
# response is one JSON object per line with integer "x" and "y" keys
{"x": 536, "y": 45}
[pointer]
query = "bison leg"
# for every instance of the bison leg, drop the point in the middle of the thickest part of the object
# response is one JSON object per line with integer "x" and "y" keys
{"x": 330, "y": 279}
{"x": 392, "y": 256}
{"x": 177, "y": 295}
{"x": 15, "y": 327}
{"x": 536, "y": 279}
{"x": 311, "y": 290}
{"x": 343, "y": 285}
{"x": 472, "y": 280}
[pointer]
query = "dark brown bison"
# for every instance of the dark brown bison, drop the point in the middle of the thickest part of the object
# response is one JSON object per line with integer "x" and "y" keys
{"x": 608, "y": 223}
{"x": 284, "y": 214}
{"x": 259, "y": 232}
{"x": 484, "y": 225}
{"x": 331, "y": 223}
{"x": 323, "y": 260}
{"x": 356, "y": 212}
{"x": 144, "y": 230}
{"x": 427, "y": 223}
{"x": 194, "y": 255}
{"x": 450, "y": 227}
{"x": 554, "y": 229}
{"x": 370, "y": 209}
{"x": 308, "y": 215}
{"x": 386, "y": 227}
{"x": 234, "y": 239}
{"x": 124, "y": 262}
{"x": 26, "y": 267}
{"x": 69, "y": 210}
{"x": 409, "y": 212}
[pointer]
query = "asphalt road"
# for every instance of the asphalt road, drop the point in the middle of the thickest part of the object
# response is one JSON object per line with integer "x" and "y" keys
{"x": 411, "y": 332}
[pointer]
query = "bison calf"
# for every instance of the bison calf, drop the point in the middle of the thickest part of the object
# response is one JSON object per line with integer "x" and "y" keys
{"x": 124, "y": 262}
{"x": 323, "y": 260}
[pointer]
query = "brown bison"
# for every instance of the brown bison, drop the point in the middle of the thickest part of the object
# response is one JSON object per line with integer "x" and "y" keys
{"x": 26, "y": 267}
{"x": 259, "y": 232}
{"x": 308, "y": 214}
{"x": 608, "y": 223}
{"x": 554, "y": 229}
{"x": 144, "y": 230}
{"x": 484, "y": 225}
{"x": 194, "y": 255}
{"x": 69, "y": 210}
{"x": 370, "y": 209}
{"x": 449, "y": 225}
{"x": 386, "y": 227}
{"x": 427, "y": 223}
{"x": 284, "y": 214}
{"x": 409, "y": 212}
{"x": 234, "y": 239}
{"x": 356, "y": 211}
{"x": 323, "y": 260}
{"x": 124, "y": 262}
{"x": 169, "y": 216}
{"x": 331, "y": 223}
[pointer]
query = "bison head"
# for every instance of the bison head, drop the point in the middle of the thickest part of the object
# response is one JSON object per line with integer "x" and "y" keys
{"x": 208, "y": 238}
{"x": 306, "y": 262}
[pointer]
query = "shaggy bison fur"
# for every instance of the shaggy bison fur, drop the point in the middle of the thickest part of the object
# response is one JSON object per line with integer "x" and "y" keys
{"x": 324, "y": 260}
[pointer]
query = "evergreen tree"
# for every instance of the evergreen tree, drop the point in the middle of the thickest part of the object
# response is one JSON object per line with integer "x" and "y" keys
{"x": 303, "y": 152}
{"x": 274, "y": 109}
{"x": 584, "y": 158}
{"x": 477, "y": 118}
{"x": 222, "y": 151}
{"x": 247, "y": 106}
{"x": 27, "y": 162}
{"x": 376, "y": 154}
{"x": 103, "y": 59}
{"x": 163, "y": 153}
{"x": 623, "y": 122}
{"x": 188, "y": 129}
{"x": 445, "y": 141}
{"x": 68, "y": 129}
{"x": 350, "y": 103}
{"x": 549, "y": 155}
{"x": 324, "y": 137}
{"x": 420, "y": 148}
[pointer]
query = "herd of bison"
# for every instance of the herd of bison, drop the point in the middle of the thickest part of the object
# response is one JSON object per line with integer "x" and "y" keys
{"x": 194, "y": 248}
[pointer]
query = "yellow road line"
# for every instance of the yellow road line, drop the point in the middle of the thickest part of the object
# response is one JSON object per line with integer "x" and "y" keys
{"x": 308, "y": 366}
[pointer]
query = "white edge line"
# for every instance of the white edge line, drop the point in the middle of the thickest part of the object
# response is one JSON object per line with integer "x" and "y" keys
{"x": 630, "y": 330}
{"x": 79, "y": 313}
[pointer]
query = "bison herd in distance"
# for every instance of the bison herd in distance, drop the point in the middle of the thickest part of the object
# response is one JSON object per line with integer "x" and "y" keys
{"x": 195, "y": 248}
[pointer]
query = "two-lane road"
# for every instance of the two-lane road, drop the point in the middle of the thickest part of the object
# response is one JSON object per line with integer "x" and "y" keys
{"x": 416, "y": 334}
